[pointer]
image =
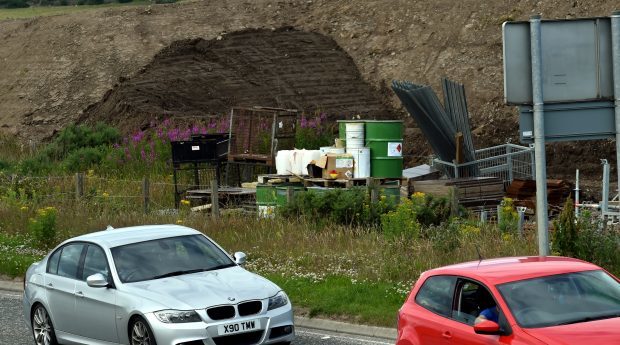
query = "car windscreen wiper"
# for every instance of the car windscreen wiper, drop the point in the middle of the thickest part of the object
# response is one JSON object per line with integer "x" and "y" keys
{"x": 218, "y": 267}
{"x": 178, "y": 273}
{"x": 592, "y": 318}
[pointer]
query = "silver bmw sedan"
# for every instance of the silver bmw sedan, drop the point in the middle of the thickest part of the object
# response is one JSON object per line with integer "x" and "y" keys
{"x": 148, "y": 285}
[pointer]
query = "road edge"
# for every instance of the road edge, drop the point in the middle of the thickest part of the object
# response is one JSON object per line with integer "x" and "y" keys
{"x": 300, "y": 321}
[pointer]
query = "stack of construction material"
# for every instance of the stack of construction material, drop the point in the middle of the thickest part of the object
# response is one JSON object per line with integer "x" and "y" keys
{"x": 523, "y": 192}
{"x": 473, "y": 193}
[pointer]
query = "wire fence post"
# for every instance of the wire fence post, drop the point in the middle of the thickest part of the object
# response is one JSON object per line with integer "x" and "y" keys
{"x": 215, "y": 200}
{"x": 146, "y": 194}
{"x": 79, "y": 185}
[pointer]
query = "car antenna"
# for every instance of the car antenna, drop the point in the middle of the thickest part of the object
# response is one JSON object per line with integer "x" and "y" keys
{"x": 480, "y": 258}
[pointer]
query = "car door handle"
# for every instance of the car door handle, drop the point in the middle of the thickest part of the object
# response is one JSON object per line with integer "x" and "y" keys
{"x": 447, "y": 335}
{"x": 79, "y": 294}
{"x": 50, "y": 286}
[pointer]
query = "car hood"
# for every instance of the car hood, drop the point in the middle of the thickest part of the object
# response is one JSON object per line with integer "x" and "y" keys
{"x": 201, "y": 290}
{"x": 600, "y": 332}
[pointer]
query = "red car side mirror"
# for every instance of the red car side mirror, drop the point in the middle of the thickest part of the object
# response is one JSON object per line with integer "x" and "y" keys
{"x": 487, "y": 327}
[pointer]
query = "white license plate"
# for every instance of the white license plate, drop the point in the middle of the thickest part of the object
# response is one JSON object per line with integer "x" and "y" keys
{"x": 238, "y": 327}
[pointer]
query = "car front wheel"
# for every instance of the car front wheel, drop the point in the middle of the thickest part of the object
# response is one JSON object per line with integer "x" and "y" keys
{"x": 42, "y": 328}
{"x": 140, "y": 333}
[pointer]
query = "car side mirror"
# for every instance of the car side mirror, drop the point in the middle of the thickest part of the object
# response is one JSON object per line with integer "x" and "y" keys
{"x": 97, "y": 280}
{"x": 240, "y": 258}
{"x": 487, "y": 327}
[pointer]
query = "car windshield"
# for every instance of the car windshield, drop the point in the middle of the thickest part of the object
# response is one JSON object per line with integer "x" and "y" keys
{"x": 168, "y": 257}
{"x": 563, "y": 299}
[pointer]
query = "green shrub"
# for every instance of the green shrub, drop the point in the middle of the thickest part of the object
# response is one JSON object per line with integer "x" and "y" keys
{"x": 42, "y": 228}
{"x": 402, "y": 222}
{"x": 341, "y": 206}
{"x": 445, "y": 237}
{"x": 430, "y": 210}
{"x": 84, "y": 158}
{"x": 586, "y": 238}
{"x": 508, "y": 216}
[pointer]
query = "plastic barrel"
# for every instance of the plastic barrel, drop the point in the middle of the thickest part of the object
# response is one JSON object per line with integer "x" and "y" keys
{"x": 385, "y": 140}
{"x": 361, "y": 158}
{"x": 281, "y": 193}
{"x": 355, "y": 135}
{"x": 266, "y": 200}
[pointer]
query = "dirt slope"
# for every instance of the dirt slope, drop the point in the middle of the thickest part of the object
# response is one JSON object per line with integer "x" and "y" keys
{"x": 284, "y": 68}
{"x": 52, "y": 68}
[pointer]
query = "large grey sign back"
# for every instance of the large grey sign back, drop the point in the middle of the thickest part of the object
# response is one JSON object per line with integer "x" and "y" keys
{"x": 576, "y": 61}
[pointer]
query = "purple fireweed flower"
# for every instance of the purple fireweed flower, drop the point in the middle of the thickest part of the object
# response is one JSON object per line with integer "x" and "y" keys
{"x": 304, "y": 121}
{"x": 143, "y": 154}
{"x": 195, "y": 129}
{"x": 166, "y": 122}
{"x": 115, "y": 145}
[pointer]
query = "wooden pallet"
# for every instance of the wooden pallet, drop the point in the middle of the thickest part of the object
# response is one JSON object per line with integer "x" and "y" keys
{"x": 347, "y": 183}
{"x": 275, "y": 178}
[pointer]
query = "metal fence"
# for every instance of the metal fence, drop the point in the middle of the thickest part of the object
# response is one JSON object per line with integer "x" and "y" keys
{"x": 507, "y": 161}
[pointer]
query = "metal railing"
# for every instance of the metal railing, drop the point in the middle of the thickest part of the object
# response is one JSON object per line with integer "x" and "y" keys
{"x": 507, "y": 161}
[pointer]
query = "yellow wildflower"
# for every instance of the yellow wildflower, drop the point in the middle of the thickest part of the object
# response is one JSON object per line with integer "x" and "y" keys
{"x": 185, "y": 202}
{"x": 24, "y": 208}
{"x": 179, "y": 221}
{"x": 105, "y": 194}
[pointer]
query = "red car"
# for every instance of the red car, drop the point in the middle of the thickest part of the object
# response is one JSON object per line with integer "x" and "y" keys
{"x": 524, "y": 300}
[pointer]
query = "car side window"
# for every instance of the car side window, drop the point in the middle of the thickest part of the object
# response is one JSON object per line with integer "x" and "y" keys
{"x": 69, "y": 260}
{"x": 94, "y": 262}
{"x": 472, "y": 298}
{"x": 436, "y": 294}
{"x": 52, "y": 263}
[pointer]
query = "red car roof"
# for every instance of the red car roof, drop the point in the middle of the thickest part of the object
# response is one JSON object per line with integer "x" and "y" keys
{"x": 503, "y": 270}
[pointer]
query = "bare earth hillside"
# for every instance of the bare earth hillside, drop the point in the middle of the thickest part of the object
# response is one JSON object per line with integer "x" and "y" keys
{"x": 53, "y": 68}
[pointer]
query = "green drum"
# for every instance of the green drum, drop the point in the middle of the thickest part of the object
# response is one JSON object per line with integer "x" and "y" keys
{"x": 281, "y": 193}
{"x": 266, "y": 200}
{"x": 385, "y": 140}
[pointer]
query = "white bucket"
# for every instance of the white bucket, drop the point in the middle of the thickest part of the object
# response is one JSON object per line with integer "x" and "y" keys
{"x": 283, "y": 162}
{"x": 331, "y": 149}
{"x": 355, "y": 135}
{"x": 361, "y": 157}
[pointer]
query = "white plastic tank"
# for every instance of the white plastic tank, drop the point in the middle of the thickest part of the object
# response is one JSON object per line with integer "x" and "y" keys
{"x": 355, "y": 135}
{"x": 283, "y": 162}
{"x": 361, "y": 158}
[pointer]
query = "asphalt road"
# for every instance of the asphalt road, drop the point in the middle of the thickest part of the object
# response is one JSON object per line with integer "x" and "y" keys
{"x": 13, "y": 331}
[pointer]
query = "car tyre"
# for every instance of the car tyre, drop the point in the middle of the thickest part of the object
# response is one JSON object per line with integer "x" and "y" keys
{"x": 42, "y": 327}
{"x": 140, "y": 333}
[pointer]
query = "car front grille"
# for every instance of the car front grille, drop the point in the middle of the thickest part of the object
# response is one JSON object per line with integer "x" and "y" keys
{"x": 249, "y": 338}
{"x": 221, "y": 312}
{"x": 249, "y": 308}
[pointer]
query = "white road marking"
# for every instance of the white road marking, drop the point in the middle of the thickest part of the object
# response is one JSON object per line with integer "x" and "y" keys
{"x": 10, "y": 294}
{"x": 345, "y": 338}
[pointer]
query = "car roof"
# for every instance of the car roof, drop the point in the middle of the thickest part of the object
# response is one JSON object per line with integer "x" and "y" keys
{"x": 121, "y": 236}
{"x": 503, "y": 270}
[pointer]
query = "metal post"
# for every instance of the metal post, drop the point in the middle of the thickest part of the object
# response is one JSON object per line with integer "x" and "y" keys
{"x": 615, "y": 56}
{"x": 539, "y": 137}
{"x": 605, "y": 196}
{"x": 521, "y": 212}
{"x": 499, "y": 214}
{"x": 483, "y": 217}
{"x": 577, "y": 194}
{"x": 79, "y": 185}
{"x": 509, "y": 162}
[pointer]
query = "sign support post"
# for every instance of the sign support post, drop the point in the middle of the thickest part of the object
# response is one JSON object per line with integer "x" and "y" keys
{"x": 539, "y": 137}
{"x": 615, "y": 56}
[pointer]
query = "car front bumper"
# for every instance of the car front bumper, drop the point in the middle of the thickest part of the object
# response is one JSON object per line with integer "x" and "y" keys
{"x": 207, "y": 333}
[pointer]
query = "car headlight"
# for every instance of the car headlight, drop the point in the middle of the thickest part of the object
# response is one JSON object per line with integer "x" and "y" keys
{"x": 177, "y": 316}
{"x": 277, "y": 301}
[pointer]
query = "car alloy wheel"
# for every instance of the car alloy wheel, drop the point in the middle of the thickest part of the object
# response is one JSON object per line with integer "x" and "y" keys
{"x": 42, "y": 328}
{"x": 141, "y": 333}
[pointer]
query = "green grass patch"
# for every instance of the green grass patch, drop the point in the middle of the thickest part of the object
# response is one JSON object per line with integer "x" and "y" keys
{"x": 373, "y": 303}
{"x": 40, "y": 11}
{"x": 17, "y": 255}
